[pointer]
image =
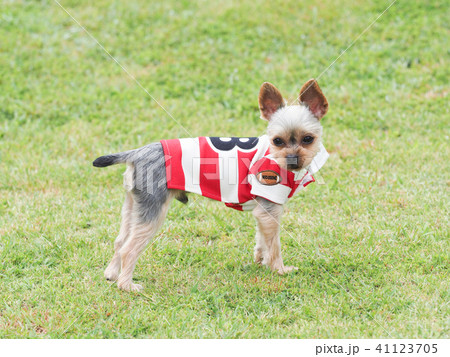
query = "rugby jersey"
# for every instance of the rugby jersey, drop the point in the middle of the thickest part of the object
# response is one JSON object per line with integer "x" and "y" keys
{"x": 234, "y": 170}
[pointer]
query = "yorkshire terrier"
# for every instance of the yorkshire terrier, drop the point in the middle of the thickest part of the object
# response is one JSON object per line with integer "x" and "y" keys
{"x": 258, "y": 174}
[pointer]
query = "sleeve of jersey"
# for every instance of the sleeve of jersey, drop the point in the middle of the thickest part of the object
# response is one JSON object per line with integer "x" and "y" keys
{"x": 278, "y": 193}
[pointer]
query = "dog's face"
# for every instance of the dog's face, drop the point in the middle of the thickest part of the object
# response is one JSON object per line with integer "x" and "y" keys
{"x": 294, "y": 131}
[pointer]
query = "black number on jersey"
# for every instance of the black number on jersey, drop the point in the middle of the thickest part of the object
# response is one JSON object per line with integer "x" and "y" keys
{"x": 229, "y": 143}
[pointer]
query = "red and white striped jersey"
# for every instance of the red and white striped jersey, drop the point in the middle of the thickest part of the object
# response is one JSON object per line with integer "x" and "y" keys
{"x": 233, "y": 170}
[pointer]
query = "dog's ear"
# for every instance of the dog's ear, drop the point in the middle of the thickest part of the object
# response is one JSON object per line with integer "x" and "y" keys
{"x": 312, "y": 96}
{"x": 270, "y": 100}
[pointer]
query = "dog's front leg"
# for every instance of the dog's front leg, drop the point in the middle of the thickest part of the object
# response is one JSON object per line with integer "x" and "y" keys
{"x": 268, "y": 246}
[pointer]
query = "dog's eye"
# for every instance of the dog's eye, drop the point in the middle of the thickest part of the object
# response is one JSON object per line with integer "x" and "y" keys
{"x": 308, "y": 140}
{"x": 278, "y": 142}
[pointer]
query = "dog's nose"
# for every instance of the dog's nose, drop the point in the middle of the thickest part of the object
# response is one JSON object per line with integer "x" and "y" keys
{"x": 292, "y": 159}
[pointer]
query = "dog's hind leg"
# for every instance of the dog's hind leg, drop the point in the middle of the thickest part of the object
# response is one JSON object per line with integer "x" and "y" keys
{"x": 142, "y": 230}
{"x": 113, "y": 269}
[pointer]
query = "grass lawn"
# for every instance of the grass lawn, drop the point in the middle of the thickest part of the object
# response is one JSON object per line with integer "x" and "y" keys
{"x": 371, "y": 243}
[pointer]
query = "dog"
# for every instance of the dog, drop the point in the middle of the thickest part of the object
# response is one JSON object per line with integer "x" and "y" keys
{"x": 258, "y": 174}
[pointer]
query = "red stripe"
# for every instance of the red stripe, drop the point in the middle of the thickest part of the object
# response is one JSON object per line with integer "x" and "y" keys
{"x": 295, "y": 184}
{"x": 307, "y": 183}
{"x": 292, "y": 183}
{"x": 209, "y": 171}
{"x": 244, "y": 161}
{"x": 174, "y": 168}
{"x": 236, "y": 206}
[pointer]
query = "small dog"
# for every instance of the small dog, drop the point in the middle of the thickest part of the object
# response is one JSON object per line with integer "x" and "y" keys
{"x": 258, "y": 174}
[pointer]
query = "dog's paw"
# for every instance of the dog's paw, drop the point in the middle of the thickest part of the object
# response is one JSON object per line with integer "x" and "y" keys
{"x": 258, "y": 258}
{"x": 131, "y": 287}
{"x": 136, "y": 287}
{"x": 285, "y": 270}
{"x": 111, "y": 274}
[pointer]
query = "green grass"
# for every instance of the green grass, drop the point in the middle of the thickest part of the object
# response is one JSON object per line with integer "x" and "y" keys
{"x": 371, "y": 244}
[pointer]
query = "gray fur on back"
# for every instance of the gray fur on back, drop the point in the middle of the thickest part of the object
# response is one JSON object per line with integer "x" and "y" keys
{"x": 149, "y": 184}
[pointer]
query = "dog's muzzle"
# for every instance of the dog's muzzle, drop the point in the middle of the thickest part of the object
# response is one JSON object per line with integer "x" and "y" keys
{"x": 292, "y": 161}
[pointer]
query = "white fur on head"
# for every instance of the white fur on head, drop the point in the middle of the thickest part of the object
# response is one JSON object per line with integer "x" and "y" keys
{"x": 294, "y": 117}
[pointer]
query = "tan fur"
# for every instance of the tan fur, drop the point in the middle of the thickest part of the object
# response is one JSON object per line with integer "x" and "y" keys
{"x": 113, "y": 269}
{"x": 268, "y": 246}
{"x": 139, "y": 236}
{"x": 128, "y": 182}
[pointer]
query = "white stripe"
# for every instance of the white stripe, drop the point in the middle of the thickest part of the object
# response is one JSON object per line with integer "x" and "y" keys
{"x": 298, "y": 175}
{"x": 190, "y": 160}
{"x": 229, "y": 176}
{"x": 276, "y": 193}
{"x": 319, "y": 160}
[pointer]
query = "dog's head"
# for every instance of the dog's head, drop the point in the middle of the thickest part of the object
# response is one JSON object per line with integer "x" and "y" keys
{"x": 294, "y": 130}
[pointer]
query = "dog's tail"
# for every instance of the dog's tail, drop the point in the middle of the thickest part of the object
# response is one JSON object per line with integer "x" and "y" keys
{"x": 147, "y": 153}
{"x": 113, "y": 159}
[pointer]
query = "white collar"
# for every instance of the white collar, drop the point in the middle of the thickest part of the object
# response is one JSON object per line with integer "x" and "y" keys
{"x": 319, "y": 160}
